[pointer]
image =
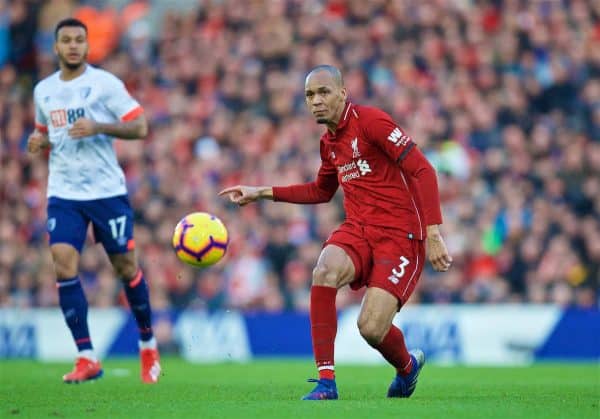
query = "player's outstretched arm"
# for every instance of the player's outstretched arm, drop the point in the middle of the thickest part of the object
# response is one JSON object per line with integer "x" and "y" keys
{"x": 436, "y": 250}
{"x": 37, "y": 141}
{"x": 129, "y": 130}
{"x": 242, "y": 195}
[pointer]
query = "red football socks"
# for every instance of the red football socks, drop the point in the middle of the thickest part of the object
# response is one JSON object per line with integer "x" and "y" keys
{"x": 323, "y": 327}
{"x": 393, "y": 349}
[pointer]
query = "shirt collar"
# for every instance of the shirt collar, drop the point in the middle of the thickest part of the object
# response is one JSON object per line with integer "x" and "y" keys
{"x": 343, "y": 120}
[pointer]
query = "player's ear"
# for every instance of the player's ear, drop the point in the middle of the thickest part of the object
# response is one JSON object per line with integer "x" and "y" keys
{"x": 344, "y": 93}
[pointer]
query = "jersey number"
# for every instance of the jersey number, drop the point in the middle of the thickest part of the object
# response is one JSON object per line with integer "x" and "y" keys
{"x": 74, "y": 114}
{"x": 399, "y": 273}
{"x": 117, "y": 226}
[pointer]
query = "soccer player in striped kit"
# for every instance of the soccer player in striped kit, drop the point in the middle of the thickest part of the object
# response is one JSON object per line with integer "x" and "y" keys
{"x": 79, "y": 111}
{"x": 393, "y": 212}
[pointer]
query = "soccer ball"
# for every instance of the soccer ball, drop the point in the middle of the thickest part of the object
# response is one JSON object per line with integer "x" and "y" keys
{"x": 200, "y": 239}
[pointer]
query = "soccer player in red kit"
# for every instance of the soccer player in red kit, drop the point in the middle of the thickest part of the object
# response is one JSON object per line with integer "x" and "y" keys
{"x": 393, "y": 212}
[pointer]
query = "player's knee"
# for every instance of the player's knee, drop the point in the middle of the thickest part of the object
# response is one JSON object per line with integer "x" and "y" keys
{"x": 371, "y": 330}
{"x": 65, "y": 261}
{"x": 325, "y": 276}
{"x": 126, "y": 270}
{"x": 64, "y": 269}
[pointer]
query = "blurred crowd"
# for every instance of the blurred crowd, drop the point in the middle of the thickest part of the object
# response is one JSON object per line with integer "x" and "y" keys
{"x": 503, "y": 96}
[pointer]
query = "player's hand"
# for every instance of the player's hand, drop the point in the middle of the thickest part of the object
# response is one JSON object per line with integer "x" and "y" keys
{"x": 241, "y": 194}
{"x": 37, "y": 141}
{"x": 438, "y": 254}
{"x": 83, "y": 127}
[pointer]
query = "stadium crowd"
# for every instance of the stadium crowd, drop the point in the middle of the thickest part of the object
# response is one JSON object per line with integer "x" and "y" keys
{"x": 503, "y": 96}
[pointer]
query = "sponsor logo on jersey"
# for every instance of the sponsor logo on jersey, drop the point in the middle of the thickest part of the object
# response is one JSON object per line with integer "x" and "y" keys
{"x": 58, "y": 118}
{"x": 364, "y": 167}
{"x": 61, "y": 117}
{"x": 347, "y": 167}
{"x": 350, "y": 176}
{"x": 354, "y": 169}
{"x": 398, "y": 138}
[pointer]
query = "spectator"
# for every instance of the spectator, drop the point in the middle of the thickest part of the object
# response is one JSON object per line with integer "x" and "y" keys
{"x": 503, "y": 97}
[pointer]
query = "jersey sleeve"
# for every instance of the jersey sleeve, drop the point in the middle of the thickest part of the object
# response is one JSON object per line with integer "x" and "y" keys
{"x": 118, "y": 100}
{"x": 321, "y": 190}
{"x": 41, "y": 124}
{"x": 416, "y": 165}
{"x": 386, "y": 134}
{"x": 381, "y": 129}
{"x": 327, "y": 168}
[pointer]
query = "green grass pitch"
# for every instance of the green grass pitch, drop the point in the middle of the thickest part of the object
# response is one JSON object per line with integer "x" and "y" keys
{"x": 272, "y": 389}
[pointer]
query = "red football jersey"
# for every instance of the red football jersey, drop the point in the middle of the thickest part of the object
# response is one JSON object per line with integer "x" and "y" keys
{"x": 386, "y": 180}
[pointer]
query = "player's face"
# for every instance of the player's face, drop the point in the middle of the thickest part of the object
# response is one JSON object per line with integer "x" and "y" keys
{"x": 71, "y": 46}
{"x": 324, "y": 97}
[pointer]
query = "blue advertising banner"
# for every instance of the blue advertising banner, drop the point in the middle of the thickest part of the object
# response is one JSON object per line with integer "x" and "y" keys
{"x": 472, "y": 335}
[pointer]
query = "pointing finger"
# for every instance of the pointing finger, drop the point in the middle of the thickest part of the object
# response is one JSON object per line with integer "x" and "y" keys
{"x": 228, "y": 190}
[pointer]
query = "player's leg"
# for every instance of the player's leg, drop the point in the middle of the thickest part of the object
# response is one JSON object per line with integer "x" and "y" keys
{"x": 67, "y": 229}
{"x": 112, "y": 219}
{"x": 136, "y": 290}
{"x": 334, "y": 269}
{"x": 375, "y": 325}
{"x": 390, "y": 286}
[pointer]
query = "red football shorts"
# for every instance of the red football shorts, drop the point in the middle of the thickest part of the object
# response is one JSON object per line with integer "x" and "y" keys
{"x": 383, "y": 258}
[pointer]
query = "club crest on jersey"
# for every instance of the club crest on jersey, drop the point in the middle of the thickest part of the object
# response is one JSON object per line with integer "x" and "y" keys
{"x": 355, "y": 153}
{"x": 51, "y": 224}
{"x": 84, "y": 92}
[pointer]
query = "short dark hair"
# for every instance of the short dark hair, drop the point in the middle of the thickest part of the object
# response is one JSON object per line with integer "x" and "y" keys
{"x": 70, "y": 21}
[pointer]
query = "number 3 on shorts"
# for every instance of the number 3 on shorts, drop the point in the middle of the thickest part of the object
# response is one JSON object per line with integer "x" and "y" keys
{"x": 117, "y": 226}
{"x": 399, "y": 272}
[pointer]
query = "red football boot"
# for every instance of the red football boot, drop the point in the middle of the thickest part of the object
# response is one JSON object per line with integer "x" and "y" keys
{"x": 150, "y": 365}
{"x": 85, "y": 370}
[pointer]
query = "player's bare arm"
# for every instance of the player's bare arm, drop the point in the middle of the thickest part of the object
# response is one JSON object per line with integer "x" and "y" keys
{"x": 242, "y": 195}
{"x": 129, "y": 130}
{"x": 37, "y": 141}
{"x": 436, "y": 250}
